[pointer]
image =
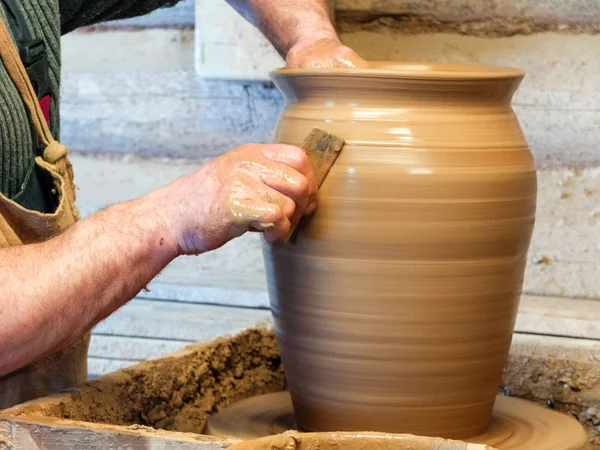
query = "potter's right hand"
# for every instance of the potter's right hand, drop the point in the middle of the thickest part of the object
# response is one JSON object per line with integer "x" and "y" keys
{"x": 252, "y": 188}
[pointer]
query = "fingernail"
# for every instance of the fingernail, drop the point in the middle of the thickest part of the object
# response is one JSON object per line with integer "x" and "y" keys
{"x": 267, "y": 226}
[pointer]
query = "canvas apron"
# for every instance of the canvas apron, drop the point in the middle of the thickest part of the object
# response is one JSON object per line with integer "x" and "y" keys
{"x": 19, "y": 226}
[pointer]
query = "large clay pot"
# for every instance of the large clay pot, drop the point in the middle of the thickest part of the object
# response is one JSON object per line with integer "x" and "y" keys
{"x": 395, "y": 306}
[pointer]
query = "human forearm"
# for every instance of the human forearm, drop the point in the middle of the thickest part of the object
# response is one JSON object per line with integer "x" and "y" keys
{"x": 301, "y": 30}
{"x": 54, "y": 291}
{"x": 287, "y": 23}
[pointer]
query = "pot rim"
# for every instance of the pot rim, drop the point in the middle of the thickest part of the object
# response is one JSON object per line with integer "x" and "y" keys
{"x": 413, "y": 70}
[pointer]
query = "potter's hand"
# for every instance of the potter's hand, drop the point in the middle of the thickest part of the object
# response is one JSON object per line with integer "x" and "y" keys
{"x": 322, "y": 54}
{"x": 301, "y": 31}
{"x": 252, "y": 188}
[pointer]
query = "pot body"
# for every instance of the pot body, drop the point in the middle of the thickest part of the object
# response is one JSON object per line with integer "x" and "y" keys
{"x": 395, "y": 304}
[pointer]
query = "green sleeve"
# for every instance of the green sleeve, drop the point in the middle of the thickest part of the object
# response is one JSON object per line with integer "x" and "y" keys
{"x": 80, "y": 13}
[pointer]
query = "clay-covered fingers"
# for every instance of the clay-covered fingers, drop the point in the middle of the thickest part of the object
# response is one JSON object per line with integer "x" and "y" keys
{"x": 263, "y": 216}
{"x": 296, "y": 179}
{"x": 255, "y": 206}
{"x": 324, "y": 53}
{"x": 254, "y": 187}
{"x": 270, "y": 195}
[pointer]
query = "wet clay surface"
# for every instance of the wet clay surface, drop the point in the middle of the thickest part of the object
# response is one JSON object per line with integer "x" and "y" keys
{"x": 395, "y": 305}
{"x": 176, "y": 393}
{"x": 516, "y": 424}
{"x": 353, "y": 441}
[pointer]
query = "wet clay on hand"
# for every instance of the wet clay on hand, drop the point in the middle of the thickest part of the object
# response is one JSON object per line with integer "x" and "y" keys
{"x": 323, "y": 54}
{"x": 254, "y": 187}
{"x": 395, "y": 305}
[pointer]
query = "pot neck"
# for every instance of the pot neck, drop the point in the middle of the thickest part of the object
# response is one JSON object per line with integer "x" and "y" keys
{"x": 390, "y": 90}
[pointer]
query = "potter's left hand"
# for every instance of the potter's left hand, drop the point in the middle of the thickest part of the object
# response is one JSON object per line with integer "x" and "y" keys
{"x": 323, "y": 53}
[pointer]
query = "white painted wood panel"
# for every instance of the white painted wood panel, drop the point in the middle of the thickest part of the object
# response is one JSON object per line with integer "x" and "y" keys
{"x": 101, "y": 366}
{"x": 568, "y": 348}
{"x": 179, "y": 321}
{"x": 132, "y": 348}
{"x": 228, "y": 47}
{"x": 575, "y": 318}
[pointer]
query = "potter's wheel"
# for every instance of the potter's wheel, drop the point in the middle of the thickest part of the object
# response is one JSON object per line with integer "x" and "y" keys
{"x": 516, "y": 424}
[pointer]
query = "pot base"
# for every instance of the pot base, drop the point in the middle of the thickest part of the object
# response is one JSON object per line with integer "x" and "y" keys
{"x": 516, "y": 424}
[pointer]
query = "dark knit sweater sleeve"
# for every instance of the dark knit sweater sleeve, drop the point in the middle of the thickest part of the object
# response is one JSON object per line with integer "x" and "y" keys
{"x": 80, "y": 13}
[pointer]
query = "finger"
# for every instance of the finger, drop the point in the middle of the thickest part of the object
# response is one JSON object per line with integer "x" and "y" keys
{"x": 289, "y": 155}
{"x": 270, "y": 195}
{"x": 261, "y": 216}
{"x": 287, "y": 181}
{"x": 294, "y": 185}
{"x": 346, "y": 57}
{"x": 312, "y": 206}
{"x": 296, "y": 158}
{"x": 290, "y": 210}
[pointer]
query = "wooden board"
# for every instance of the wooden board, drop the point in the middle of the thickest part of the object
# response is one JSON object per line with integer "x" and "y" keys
{"x": 43, "y": 434}
{"x": 179, "y": 321}
{"x": 101, "y": 366}
{"x": 555, "y": 316}
{"x": 132, "y": 348}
